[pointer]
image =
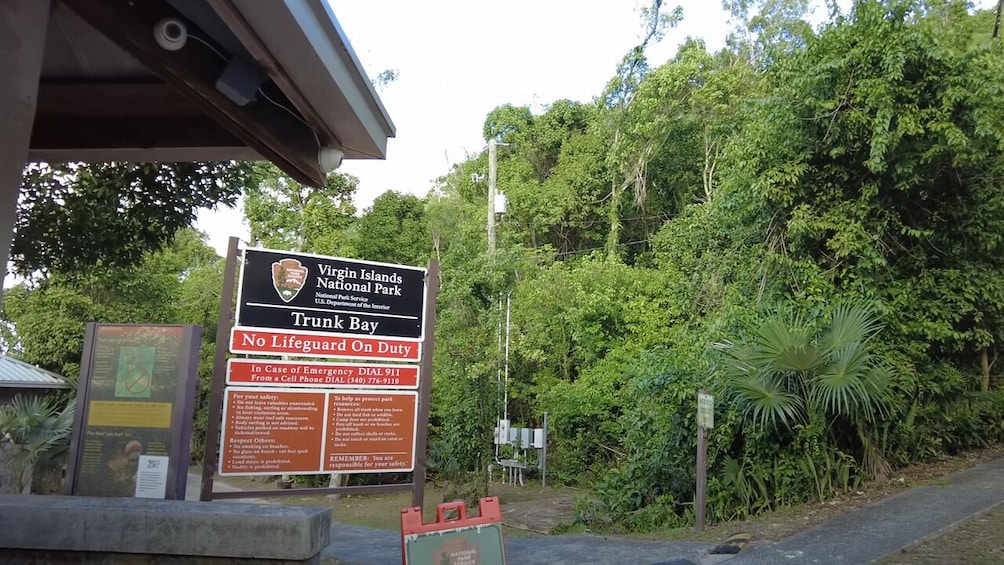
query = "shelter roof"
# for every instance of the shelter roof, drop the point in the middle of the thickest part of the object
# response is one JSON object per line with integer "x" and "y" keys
{"x": 18, "y": 374}
{"x": 250, "y": 79}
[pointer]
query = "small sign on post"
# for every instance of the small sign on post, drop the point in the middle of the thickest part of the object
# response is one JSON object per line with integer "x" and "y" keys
{"x": 705, "y": 421}
{"x": 705, "y": 410}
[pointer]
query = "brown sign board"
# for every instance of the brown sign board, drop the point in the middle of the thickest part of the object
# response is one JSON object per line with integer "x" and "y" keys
{"x": 265, "y": 372}
{"x": 134, "y": 402}
{"x": 270, "y": 431}
{"x": 301, "y": 292}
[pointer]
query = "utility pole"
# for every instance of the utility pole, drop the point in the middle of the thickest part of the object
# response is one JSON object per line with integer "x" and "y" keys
{"x": 492, "y": 179}
{"x": 997, "y": 19}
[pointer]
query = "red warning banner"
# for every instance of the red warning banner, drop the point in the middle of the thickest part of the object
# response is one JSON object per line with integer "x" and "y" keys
{"x": 268, "y": 372}
{"x": 258, "y": 342}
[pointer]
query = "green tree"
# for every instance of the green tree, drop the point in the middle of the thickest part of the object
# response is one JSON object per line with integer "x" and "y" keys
{"x": 629, "y": 167}
{"x": 47, "y": 317}
{"x": 883, "y": 158}
{"x": 767, "y": 31}
{"x": 394, "y": 230}
{"x": 552, "y": 174}
{"x": 72, "y": 217}
{"x": 284, "y": 214}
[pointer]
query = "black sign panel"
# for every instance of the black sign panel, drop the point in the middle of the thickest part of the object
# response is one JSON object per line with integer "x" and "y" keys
{"x": 298, "y": 292}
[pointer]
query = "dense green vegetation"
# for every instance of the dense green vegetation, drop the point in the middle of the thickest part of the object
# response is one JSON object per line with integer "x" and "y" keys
{"x": 808, "y": 223}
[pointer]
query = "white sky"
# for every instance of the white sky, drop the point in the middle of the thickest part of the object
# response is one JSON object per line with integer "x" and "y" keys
{"x": 459, "y": 59}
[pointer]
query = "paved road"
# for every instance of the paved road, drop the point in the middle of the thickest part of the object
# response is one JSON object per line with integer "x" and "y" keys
{"x": 857, "y": 537}
{"x": 868, "y": 534}
{"x": 355, "y": 545}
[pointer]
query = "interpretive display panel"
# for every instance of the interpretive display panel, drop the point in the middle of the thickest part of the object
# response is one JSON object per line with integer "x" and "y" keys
{"x": 134, "y": 404}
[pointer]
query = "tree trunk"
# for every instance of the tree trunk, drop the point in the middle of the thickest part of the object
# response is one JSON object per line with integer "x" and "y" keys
{"x": 337, "y": 480}
{"x": 985, "y": 369}
{"x": 614, "y": 236}
{"x": 26, "y": 481}
{"x": 710, "y": 154}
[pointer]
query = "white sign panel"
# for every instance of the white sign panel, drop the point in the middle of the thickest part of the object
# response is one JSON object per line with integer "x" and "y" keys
{"x": 151, "y": 476}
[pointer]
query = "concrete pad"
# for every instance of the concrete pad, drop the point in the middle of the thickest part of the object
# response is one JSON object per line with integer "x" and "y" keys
{"x": 538, "y": 517}
{"x": 194, "y": 489}
{"x": 163, "y": 527}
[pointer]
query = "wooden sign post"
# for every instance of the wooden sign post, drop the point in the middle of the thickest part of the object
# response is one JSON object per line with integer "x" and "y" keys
{"x": 705, "y": 421}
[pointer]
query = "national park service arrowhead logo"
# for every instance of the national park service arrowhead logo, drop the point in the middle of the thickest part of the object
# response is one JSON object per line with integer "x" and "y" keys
{"x": 457, "y": 551}
{"x": 288, "y": 277}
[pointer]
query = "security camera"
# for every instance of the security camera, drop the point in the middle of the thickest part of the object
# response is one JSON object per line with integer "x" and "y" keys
{"x": 170, "y": 33}
{"x": 329, "y": 158}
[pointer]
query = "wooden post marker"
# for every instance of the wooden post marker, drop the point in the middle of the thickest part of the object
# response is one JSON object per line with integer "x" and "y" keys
{"x": 705, "y": 421}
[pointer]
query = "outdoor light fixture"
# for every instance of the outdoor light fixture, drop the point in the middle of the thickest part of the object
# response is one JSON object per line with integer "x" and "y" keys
{"x": 170, "y": 33}
{"x": 329, "y": 158}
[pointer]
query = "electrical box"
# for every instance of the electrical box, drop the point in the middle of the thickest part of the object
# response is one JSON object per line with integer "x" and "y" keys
{"x": 502, "y": 432}
{"x": 538, "y": 438}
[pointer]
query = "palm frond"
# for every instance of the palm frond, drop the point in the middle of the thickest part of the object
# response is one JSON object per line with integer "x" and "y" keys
{"x": 850, "y": 384}
{"x": 38, "y": 432}
{"x": 784, "y": 343}
{"x": 853, "y": 321}
{"x": 765, "y": 401}
{"x": 736, "y": 358}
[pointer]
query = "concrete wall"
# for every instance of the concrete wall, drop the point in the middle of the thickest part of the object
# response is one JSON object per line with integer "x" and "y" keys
{"x": 61, "y": 529}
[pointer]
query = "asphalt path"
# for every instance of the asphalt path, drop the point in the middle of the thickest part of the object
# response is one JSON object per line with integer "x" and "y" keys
{"x": 860, "y": 536}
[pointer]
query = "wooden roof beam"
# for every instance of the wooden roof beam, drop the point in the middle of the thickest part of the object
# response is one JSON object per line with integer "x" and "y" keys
{"x": 277, "y": 133}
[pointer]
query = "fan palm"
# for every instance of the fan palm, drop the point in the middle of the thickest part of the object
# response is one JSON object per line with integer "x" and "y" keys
{"x": 34, "y": 434}
{"x": 789, "y": 372}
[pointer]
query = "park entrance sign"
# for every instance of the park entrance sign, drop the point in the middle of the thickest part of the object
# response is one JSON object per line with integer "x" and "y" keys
{"x": 333, "y": 384}
{"x": 298, "y": 292}
{"x": 269, "y": 431}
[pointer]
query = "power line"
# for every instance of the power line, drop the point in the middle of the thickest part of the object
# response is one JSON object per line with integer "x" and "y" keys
{"x": 599, "y": 221}
{"x": 565, "y": 253}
